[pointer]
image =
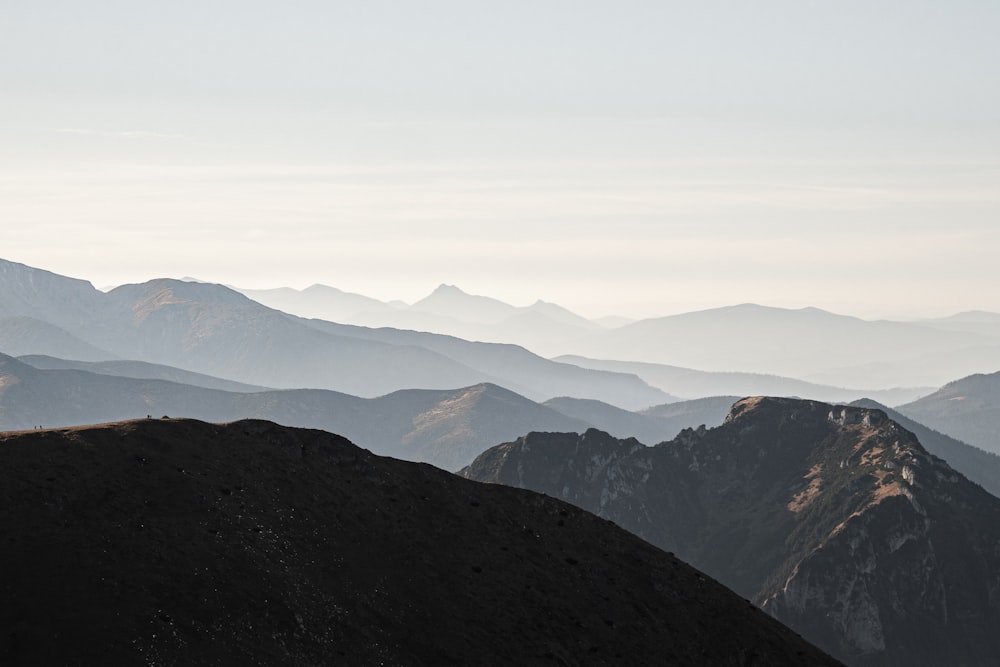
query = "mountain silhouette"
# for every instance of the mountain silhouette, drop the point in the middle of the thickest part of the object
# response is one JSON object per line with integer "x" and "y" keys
{"x": 182, "y": 542}
{"x": 834, "y": 519}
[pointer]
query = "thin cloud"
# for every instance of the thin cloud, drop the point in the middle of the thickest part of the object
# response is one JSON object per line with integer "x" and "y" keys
{"x": 119, "y": 134}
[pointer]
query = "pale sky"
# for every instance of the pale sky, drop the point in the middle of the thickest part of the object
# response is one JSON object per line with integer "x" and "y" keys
{"x": 636, "y": 158}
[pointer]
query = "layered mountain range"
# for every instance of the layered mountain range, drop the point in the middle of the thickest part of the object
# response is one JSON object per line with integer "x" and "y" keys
{"x": 803, "y": 352}
{"x": 182, "y": 542}
{"x": 834, "y": 519}
{"x": 213, "y": 330}
{"x": 968, "y": 409}
{"x": 447, "y": 428}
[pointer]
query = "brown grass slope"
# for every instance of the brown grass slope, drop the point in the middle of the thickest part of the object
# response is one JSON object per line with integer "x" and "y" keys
{"x": 184, "y": 542}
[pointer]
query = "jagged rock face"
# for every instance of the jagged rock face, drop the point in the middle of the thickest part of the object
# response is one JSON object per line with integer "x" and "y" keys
{"x": 834, "y": 519}
{"x": 176, "y": 542}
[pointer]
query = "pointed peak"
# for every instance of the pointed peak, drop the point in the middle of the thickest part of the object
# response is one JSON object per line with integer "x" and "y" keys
{"x": 445, "y": 288}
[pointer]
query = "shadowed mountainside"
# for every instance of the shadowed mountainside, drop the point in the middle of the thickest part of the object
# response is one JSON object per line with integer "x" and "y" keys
{"x": 834, "y": 519}
{"x": 181, "y": 542}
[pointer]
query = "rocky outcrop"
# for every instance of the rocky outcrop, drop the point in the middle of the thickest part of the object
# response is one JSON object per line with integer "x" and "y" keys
{"x": 834, "y": 519}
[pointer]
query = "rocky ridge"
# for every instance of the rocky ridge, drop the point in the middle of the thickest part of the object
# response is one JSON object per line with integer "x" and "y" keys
{"x": 834, "y": 519}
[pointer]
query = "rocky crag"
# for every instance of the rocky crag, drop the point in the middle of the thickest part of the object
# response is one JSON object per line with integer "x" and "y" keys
{"x": 833, "y": 519}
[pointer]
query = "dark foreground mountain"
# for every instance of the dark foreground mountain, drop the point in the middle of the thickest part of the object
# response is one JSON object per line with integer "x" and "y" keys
{"x": 967, "y": 409}
{"x": 833, "y": 519}
{"x": 182, "y": 542}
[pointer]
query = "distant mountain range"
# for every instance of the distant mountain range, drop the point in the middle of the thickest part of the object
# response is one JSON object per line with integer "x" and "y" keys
{"x": 447, "y": 310}
{"x": 180, "y": 542}
{"x": 834, "y": 519}
{"x": 688, "y": 383}
{"x": 213, "y": 330}
{"x": 807, "y": 344}
{"x": 446, "y": 427}
{"x": 741, "y": 350}
{"x": 968, "y": 409}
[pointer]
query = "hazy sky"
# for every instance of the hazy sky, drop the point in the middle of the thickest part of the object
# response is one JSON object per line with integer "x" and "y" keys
{"x": 635, "y": 158}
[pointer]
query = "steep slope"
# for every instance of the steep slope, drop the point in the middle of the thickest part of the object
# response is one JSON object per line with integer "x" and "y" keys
{"x": 979, "y": 465}
{"x": 967, "y": 409}
{"x": 834, "y": 519}
{"x": 181, "y": 542}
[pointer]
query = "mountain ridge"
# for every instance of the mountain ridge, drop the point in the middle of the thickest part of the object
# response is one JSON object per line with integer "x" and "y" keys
{"x": 213, "y": 330}
{"x": 824, "y": 515}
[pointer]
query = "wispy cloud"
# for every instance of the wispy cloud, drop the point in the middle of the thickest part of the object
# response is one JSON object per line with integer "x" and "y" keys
{"x": 120, "y": 134}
